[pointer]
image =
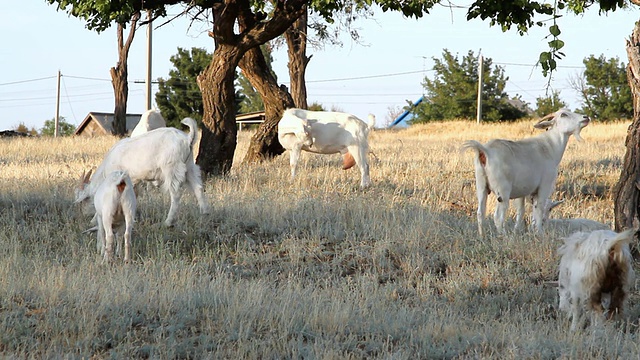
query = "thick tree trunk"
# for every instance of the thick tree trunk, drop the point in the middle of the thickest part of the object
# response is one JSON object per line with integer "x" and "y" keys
{"x": 296, "y": 37}
{"x": 626, "y": 191}
{"x": 264, "y": 144}
{"x": 216, "y": 83}
{"x": 121, "y": 94}
{"x": 218, "y": 143}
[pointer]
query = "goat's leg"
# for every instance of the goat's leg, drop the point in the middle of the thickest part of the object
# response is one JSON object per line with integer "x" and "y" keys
{"x": 539, "y": 209}
{"x": 293, "y": 159}
{"x": 108, "y": 247}
{"x": 500, "y": 214}
{"x": 482, "y": 209}
{"x": 127, "y": 238}
{"x": 175, "y": 195}
{"x": 100, "y": 238}
{"x": 519, "y": 203}
{"x": 359, "y": 154}
{"x": 194, "y": 182}
{"x": 575, "y": 313}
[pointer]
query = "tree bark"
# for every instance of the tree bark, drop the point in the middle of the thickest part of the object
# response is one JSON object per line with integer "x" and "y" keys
{"x": 119, "y": 77}
{"x": 218, "y": 143}
{"x": 264, "y": 143}
{"x": 296, "y": 37}
{"x": 626, "y": 191}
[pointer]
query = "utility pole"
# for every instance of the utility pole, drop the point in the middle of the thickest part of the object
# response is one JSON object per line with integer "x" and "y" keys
{"x": 480, "y": 81}
{"x": 148, "y": 77}
{"x": 57, "y": 118}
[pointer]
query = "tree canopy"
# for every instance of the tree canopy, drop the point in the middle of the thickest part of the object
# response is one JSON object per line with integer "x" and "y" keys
{"x": 550, "y": 103}
{"x": 605, "y": 91}
{"x": 64, "y": 128}
{"x": 452, "y": 93}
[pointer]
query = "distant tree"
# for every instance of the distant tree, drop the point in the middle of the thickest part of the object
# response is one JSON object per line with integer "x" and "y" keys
{"x": 316, "y": 106}
{"x": 22, "y": 128}
{"x": 179, "y": 96}
{"x": 100, "y": 15}
{"x": 453, "y": 91}
{"x": 550, "y": 103}
{"x": 604, "y": 89}
{"x": 392, "y": 113}
{"x": 64, "y": 128}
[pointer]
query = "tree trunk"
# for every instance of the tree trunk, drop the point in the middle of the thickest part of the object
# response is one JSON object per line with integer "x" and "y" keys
{"x": 626, "y": 191}
{"x": 296, "y": 37}
{"x": 216, "y": 82}
{"x": 119, "y": 77}
{"x": 264, "y": 144}
{"x": 121, "y": 93}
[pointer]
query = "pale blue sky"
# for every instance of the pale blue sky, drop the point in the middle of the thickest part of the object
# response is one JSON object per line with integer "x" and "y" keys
{"x": 385, "y": 72}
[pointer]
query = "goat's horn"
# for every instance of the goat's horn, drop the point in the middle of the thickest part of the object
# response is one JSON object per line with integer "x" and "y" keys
{"x": 547, "y": 117}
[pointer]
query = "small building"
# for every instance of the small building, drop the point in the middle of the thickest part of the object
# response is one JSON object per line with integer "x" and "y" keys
{"x": 255, "y": 117}
{"x": 99, "y": 123}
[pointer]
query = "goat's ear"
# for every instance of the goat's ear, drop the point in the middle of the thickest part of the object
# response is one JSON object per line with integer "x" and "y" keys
{"x": 544, "y": 124}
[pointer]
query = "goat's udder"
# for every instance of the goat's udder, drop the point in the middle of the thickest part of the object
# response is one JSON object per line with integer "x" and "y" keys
{"x": 348, "y": 161}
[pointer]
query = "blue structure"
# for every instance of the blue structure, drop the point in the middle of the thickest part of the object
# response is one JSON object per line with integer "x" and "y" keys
{"x": 402, "y": 120}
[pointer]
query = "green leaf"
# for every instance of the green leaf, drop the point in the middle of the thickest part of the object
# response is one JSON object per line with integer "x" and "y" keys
{"x": 544, "y": 57}
{"x": 556, "y": 44}
{"x": 554, "y": 30}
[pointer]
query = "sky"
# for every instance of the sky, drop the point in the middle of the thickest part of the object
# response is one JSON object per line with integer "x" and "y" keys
{"x": 383, "y": 71}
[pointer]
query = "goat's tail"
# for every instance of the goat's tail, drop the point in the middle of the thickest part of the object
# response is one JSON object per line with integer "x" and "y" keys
{"x": 193, "y": 131}
{"x": 372, "y": 121}
{"x": 480, "y": 150}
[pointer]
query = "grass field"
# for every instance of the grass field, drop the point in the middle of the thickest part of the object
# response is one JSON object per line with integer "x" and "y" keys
{"x": 313, "y": 269}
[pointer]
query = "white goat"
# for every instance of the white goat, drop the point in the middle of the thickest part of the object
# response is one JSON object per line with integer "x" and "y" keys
{"x": 115, "y": 206}
{"x": 595, "y": 275}
{"x": 524, "y": 168}
{"x": 163, "y": 155}
{"x": 151, "y": 119}
{"x": 571, "y": 225}
{"x": 327, "y": 132}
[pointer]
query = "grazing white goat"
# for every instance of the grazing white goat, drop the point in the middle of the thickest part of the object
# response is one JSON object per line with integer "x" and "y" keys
{"x": 595, "y": 275}
{"x": 163, "y": 155}
{"x": 571, "y": 225}
{"x": 327, "y": 132}
{"x": 115, "y": 206}
{"x": 151, "y": 119}
{"x": 523, "y": 168}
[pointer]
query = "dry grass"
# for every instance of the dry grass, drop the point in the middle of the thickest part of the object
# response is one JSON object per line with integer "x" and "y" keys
{"x": 310, "y": 269}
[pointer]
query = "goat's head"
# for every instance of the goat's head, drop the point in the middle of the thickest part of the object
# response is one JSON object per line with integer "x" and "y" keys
{"x": 304, "y": 136}
{"x": 82, "y": 192}
{"x": 564, "y": 121}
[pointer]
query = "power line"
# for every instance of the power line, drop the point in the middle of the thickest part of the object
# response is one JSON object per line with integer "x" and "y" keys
{"x": 26, "y": 81}
{"x": 85, "y": 78}
{"x": 75, "y": 119}
{"x": 534, "y": 65}
{"x": 369, "y": 76}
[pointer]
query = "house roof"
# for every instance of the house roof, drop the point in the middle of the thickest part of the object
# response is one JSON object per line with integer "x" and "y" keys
{"x": 256, "y": 115}
{"x": 104, "y": 121}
